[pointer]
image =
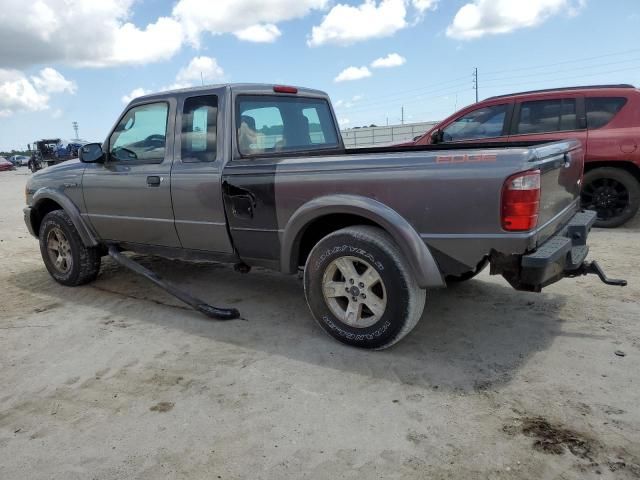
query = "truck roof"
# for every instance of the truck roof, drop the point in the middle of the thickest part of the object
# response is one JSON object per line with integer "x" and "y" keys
{"x": 237, "y": 87}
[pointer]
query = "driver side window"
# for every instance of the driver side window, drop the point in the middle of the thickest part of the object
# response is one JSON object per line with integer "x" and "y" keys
{"x": 485, "y": 122}
{"x": 141, "y": 134}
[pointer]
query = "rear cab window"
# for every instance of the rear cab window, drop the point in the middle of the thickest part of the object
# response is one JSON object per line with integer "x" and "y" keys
{"x": 199, "y": 132}
{"x": 601, "y": 110}
{"x": 268, "y": 124}
{"x": 484, "y": 122}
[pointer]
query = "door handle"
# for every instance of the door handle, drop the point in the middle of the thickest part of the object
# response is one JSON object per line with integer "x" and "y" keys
{"x": 154, "y": 181}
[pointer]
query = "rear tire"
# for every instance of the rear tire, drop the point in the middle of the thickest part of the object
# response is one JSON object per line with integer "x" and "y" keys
{"x": 360, "y": 289}
{"x": 612, "y": 192}
{"x": 66, "y": 257}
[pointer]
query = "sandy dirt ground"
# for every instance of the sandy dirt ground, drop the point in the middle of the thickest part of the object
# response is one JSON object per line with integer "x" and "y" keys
{"x": 117, "y": 380}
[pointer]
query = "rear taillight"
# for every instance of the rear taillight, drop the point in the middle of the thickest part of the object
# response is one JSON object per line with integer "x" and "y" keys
{"x": 521, "y": 201}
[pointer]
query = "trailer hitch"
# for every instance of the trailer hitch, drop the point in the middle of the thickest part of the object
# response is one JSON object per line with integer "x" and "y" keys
{"x": 588, "y": 268}
{"x": 209, "y": 310}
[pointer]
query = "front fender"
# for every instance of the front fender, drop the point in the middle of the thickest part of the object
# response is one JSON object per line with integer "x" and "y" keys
{"x": 423, "y": 264}
{"x": 47, "y": 193}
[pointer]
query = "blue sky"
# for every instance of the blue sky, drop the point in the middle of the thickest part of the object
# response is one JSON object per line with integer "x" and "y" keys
{"x": 53, "y": 73}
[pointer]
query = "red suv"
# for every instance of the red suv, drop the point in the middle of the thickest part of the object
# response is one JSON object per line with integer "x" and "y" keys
{"x": 605, "y": 118}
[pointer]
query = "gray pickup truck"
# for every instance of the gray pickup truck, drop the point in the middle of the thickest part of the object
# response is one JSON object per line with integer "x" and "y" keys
{"x": 258, "y": 175}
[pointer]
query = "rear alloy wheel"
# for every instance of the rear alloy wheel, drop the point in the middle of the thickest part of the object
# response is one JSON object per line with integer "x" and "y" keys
{"x": 613, "y": 193}
{"x": 357, "y": 299}
{"x": 360, "y": 289}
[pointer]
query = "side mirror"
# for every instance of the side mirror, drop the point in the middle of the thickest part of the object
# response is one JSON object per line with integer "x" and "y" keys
{"x": 436, "y": 137}
{"x": 91, "y": 153}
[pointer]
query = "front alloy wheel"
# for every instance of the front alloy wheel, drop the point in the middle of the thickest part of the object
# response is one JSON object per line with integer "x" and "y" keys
{"x": 59, "y": 251}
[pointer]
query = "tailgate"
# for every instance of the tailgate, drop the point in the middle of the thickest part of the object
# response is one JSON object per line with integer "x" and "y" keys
{"x": 561, "y": 165}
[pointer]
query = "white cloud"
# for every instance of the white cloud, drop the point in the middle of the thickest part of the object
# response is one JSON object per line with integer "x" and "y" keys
{"x": 347, "y": 24}
{"x": 52, "y": 81}
{"x": 348, "y": 103}
{"x": 56, "y": 114}
{"x": 135, "y": 93}
{"x": 82, "y": 33}
{"x": 101, "y": 34}
{"x": 200, "y": 69}
{"x": 484, "y": 17}
{"x": 19, "y": 93}
{"x": 352, "y": 73}
{"x": 266, "y": 33}
{"x": 343, "y": 122}
{"x": 424, "y": 5}
{"x": 231, "y": 16}
{"x": 391, "y": 60}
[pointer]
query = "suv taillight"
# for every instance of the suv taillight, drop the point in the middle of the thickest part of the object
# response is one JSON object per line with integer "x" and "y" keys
{"x": 521, "y": 201}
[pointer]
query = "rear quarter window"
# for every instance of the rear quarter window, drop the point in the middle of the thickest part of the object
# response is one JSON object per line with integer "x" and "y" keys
{"x": 601, "y": 110}
{"x": 543, "y": 116}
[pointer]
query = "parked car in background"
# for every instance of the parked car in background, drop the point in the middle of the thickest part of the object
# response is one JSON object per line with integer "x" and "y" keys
{"x": 6, "y": 165}
{"x": 19, "y": 160}
{"x": 606, "y": 119}
{"x": 48, "y": 152}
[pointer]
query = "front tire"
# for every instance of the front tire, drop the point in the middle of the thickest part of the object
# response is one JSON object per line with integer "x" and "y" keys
{"x": 360, "y": 288}
{"x": 612, "y": 192}
{"x": 65, "y": 256}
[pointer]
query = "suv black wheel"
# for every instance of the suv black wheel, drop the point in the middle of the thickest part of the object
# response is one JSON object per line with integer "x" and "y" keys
{"x": 360, "y": 289}
{"x": 67, "y": 259}
{"x": 613, "y": 193}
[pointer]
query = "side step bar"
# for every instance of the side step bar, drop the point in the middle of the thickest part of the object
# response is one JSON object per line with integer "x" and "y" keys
{"x": 195, "y": 303}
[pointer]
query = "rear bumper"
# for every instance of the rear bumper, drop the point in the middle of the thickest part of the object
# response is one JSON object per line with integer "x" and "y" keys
{"x": 559, "y": 255}
{"x": 562, "y": 255}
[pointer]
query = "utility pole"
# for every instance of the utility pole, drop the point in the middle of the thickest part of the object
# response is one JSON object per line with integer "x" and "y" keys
{"x": 475, "y": 82}
{"x": 402, "y": 115}
{"x": 202, "y": 79}
{"x": 75, "y": 129}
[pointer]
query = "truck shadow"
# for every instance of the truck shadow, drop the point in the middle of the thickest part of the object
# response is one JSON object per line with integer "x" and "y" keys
{"x": 471, "y": 338}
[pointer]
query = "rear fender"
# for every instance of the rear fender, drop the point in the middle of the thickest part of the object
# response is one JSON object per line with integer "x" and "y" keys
{"x": 419, "y": 257}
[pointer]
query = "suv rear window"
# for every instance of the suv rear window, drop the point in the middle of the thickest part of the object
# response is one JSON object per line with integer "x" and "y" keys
{"x": 269, "y": 124}
{"x": 542, "y": 116}
{"x": 601, "y": 110}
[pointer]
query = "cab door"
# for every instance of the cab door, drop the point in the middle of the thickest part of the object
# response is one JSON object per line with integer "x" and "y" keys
{"x": 196, "y": 174}
{"x": 128, "y": 197}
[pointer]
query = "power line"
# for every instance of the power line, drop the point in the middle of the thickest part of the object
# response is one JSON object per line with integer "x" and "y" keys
{"x": 571, "y": 77}
{"x": 582, "y": 67}
{"x": 399, "y": 99}
{"x": 577, "y": 60}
